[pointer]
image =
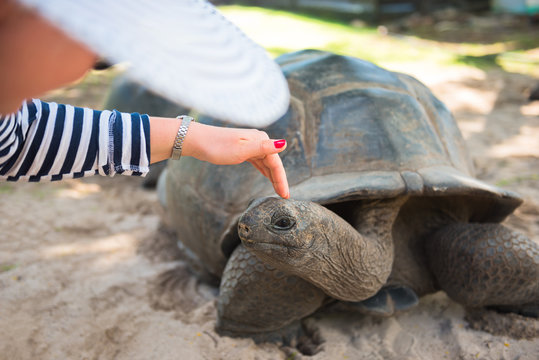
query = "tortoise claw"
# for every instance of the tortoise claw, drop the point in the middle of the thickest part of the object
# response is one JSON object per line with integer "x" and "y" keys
{"x": 403, "y": 298}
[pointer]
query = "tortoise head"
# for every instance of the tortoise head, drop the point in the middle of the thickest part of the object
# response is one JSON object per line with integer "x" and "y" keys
{"x": 280, "y": 230}
{"x": 307, "y": 240}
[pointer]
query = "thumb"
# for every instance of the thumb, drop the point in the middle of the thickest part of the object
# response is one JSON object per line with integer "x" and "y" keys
{"x": 271, "y": 146}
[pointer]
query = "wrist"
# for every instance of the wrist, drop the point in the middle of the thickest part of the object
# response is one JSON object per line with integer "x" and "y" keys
{"x": 162, "y": 134}
{"x": 177, "y": 146}
{"x": 193, "y": 143}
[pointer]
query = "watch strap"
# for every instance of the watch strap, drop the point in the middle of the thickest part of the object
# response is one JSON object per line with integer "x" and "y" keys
{"x": 180, "y": 136}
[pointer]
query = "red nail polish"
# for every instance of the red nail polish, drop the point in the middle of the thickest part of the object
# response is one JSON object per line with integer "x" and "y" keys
{"x": 279, "y": 143}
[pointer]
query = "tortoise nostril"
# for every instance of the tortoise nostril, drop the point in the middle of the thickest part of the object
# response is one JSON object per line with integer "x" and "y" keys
{"x": 244, "y": 229}
{"x": 243, "y": 232}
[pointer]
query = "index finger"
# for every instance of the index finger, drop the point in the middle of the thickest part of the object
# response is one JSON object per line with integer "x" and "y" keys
{"x": 277, "y": 175}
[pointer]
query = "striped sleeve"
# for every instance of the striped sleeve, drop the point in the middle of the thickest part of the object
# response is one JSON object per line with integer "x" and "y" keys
{"x": 49, "y": 141}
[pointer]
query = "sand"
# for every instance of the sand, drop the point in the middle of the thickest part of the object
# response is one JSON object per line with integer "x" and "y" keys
{"x": 85, "y": 272}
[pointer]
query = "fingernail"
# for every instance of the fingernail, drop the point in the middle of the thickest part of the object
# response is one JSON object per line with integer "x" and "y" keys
{"x": 279, "y": 143}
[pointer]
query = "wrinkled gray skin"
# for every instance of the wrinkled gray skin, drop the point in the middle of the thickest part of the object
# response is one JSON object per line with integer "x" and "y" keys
{"x": 386, "y": 209}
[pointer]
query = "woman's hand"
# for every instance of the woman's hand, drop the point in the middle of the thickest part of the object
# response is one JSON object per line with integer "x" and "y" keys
{"x": 222, "y": 146}
{"x": 230, "y": 146}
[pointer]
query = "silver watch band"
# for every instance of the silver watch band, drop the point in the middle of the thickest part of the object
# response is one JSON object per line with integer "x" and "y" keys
{"x": 182, "y": 131}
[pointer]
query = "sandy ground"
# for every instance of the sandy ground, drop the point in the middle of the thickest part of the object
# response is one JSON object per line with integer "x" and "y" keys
{"x": 80, "y": 261}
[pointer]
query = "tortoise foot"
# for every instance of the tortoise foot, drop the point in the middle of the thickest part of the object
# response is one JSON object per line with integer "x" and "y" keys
{"x": 403, "y": 298}
{"x": 482, "y": 265}
{"x": 386, "y": 302}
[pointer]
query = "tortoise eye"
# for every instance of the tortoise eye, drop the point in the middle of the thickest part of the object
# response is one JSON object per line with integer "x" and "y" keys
{"x": 283, "y": 223}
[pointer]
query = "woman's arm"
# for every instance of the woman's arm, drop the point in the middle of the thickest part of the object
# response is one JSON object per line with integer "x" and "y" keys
{"x": 222, "y": 146}
{"x": 48, "y": 141}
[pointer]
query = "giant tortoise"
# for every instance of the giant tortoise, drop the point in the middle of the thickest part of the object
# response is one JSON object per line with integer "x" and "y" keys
{"x": 385, "y": 208}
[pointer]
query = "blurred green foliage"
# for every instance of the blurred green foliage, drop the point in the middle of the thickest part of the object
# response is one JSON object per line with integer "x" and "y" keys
{"x": 281, "y": 31}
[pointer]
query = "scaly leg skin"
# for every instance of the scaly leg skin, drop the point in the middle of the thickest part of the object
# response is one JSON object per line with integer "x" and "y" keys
{"x": 486, "y": 265}
{"x": 258, "y": 301}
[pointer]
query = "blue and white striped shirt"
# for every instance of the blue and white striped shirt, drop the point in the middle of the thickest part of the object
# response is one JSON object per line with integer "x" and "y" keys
{"x": 49, "y": 141}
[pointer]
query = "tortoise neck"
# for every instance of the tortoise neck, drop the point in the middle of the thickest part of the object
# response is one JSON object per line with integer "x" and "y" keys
{"x": 358, "y": 259}
{"x": 374, "y": 220}
{"x": 369, "y": 250}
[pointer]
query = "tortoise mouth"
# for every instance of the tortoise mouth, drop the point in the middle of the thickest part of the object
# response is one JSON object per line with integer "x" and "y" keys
{"x": 275, "y": 254}
{"x": 255, "y": 245}
{"x": 266, "y": 244}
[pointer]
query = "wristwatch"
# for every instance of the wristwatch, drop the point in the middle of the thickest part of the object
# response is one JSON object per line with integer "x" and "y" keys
{"x": 180, "y": 136}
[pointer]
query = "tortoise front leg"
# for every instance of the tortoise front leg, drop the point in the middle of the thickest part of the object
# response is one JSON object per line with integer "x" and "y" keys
{"x": 486, "y": 265}
{"x": 256, "y": 300}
